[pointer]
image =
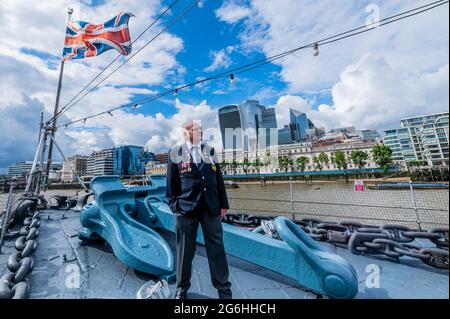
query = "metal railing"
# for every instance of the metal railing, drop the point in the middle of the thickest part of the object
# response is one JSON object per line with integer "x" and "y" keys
{"x": 336, "y": 201}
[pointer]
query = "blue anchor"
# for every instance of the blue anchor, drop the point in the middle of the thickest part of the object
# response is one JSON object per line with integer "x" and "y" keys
{"x": 127, "y": 219}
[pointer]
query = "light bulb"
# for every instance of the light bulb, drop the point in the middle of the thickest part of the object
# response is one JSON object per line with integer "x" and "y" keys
{"x": 175, "y": 93}
{"x": 316, "y": 50}
{"x": 232, "y": 79}
{"x": 109, "y": 112}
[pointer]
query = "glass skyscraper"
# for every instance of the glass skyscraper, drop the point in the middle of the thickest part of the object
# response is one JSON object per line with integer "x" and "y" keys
{"x": 131, "y": 160}
{"x": 297, "y": 129}
{"x": 250, "y": 122}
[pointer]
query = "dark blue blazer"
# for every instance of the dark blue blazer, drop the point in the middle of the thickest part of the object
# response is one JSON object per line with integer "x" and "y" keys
{"x": 187, "y": 184}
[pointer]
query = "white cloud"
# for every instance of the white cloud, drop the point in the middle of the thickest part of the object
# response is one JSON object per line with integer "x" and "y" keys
{"x": 373, "y": 94}
{"x": 221, "y": 59}
{"x": 33, "y": 34}
{"x": 232, "y": 12}
{"x": 374, "y": 79}
{"x": 158, "y": 133}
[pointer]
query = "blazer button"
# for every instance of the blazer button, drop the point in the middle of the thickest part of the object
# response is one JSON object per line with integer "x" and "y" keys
{"x": 203, "y": 177}
{"x": 204, "y": 189}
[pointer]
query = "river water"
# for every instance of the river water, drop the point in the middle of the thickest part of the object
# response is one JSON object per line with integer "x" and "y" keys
{"x": 332, "y": 201}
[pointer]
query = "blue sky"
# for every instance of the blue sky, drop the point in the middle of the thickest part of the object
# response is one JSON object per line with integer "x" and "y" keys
{"x": 370, "y": 81}
{"x": 203, "y": 34}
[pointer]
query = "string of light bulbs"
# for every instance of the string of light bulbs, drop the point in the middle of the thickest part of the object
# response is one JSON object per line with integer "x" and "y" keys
{"x": 248, "y": 67}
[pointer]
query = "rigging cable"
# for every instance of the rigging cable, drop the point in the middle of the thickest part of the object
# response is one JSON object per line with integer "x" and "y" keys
{"x": 257, "y": 64}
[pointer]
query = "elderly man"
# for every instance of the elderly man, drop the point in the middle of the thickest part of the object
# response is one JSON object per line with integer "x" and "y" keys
{"x": 197, "y": 195}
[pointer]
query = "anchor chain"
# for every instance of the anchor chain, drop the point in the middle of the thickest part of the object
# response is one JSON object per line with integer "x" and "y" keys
{"x": 14, "y": 285}
{"x": 394, "y": 241}
{"x": 62, "y": 202}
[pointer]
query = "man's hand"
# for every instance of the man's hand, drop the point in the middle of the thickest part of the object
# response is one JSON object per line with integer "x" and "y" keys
{"x": 223, "y": 212}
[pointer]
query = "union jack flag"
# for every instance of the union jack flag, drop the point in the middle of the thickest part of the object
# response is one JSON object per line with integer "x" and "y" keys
{"x": 84, "y": 40}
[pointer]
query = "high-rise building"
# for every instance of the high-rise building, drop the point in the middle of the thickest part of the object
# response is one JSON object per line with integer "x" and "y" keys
{"x": 162, "y": 158}
{"x": 300, "y": 121}
{"x": 400, "y": 142}
{"x": 123, "y": 161}
{"x": 100, "y": 163}
{"x": 78, "y": 164}
{"x": 284, "y": 135}
{"x": 23, "y": 168}
{"x": 249, "y": 125}
{"x": 131, "y": 160}
{"x": 421, "y": 138}
{"x": 297, "y": 130}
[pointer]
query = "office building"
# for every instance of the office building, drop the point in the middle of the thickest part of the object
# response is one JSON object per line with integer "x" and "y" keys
{"x": 246, "y": 126}
{"x": 162, "y": 158}
{"x": 421, "y": 138}
{"x": 400, "y": 142}
{"x": 131, "y": 160}
{"x": 297, "y": 130}
{"x": 23, "y": 168}
{"x": 78, "y": 163}
{"x": 100, "y": 163}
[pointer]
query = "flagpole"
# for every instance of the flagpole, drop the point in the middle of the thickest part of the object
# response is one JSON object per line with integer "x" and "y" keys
{"x": 55, "y": 113}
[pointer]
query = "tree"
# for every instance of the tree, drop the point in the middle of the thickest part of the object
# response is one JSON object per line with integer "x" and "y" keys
{"x": 224, "y": 165}
{"x": 257, "y": 163}
{"x": 234, "y": 165}
{"x": 339, "y": 159}
{"x": 341, "y": 162}
{"x": 245, "y": 164}
{"x": 284, "y": 162}
{"x": 332, "y": 159}
{"x": 418, "y": 163}
{"x": 382, "y": 156}
{"x": 302, "y": 161}
{"x": 359, "y": 158}
{"x": 317, "y": 163}
{"x": 323, "y": 158}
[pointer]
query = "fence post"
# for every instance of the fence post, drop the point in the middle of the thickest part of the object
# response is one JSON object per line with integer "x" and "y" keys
{"x": 416, "y": 209}
{"x": 6, "y": 214}
{"x": 291, "y": 191}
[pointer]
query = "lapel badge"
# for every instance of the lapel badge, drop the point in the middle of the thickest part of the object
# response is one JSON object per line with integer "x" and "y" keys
{"x": 214, "y": 168}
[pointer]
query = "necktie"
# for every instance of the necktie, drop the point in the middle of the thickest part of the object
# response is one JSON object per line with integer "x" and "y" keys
{"x": 196, "y": 157}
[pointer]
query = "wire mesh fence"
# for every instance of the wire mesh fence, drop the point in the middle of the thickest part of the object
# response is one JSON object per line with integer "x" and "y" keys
{"x": 336, "y": 201}
{"x": 333, "y": 201}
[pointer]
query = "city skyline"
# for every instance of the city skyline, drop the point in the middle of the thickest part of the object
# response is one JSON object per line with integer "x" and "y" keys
{"x": 157, "y": 155}
{"x": 372, "y": 80}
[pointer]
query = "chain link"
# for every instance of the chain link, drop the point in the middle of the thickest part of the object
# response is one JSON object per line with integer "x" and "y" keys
{"x": 394, "y": 241}
{"x": 14, "y": 285}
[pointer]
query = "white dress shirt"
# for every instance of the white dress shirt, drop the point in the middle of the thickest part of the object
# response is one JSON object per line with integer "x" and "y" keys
{"x": 195, "y": 151}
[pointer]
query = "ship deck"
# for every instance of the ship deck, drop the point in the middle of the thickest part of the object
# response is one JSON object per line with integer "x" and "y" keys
{"x": 60, "y": 255}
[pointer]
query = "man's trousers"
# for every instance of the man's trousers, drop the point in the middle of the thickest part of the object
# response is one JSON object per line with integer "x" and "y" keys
{"x": 186, "y": 234}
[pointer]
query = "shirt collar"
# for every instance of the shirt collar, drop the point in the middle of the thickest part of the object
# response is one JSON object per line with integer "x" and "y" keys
{"x": 190, "y": 145}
